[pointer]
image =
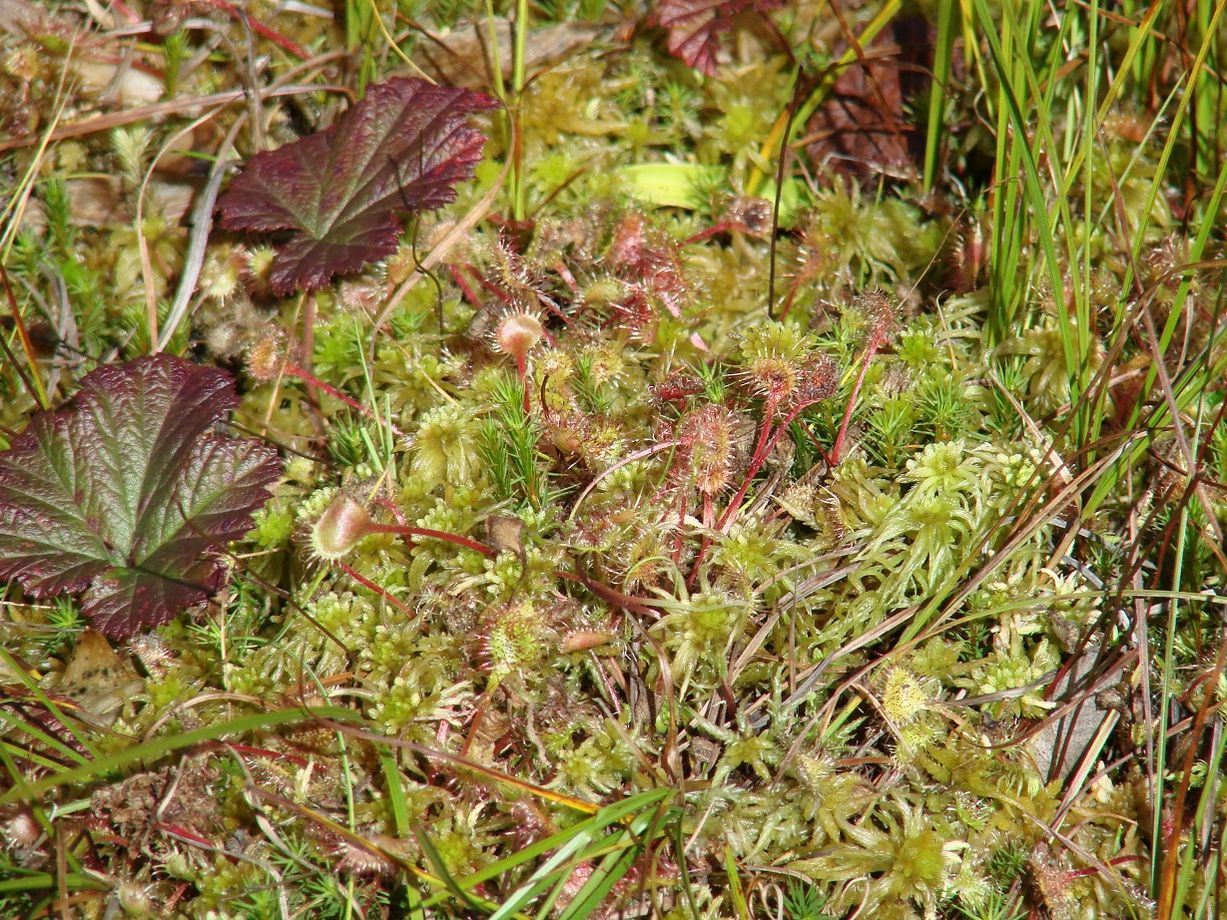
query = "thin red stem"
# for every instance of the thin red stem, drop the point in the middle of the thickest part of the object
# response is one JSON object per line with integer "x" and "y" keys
{"x": 382, "y": 592}
{"x": 461, "y": 282}
{"x": 681, "y": 520}
{"x": 126, "y": 11}
{"x": 708, "y": 514}
{"x": 612, "y": 596}
{"x": 311, "y": 380}
{"x": 567, "y": 278}
{"x": 262, "y": 30}
{"x": 394, "y": 509}
{"x": 453, "y": 538}
{"x": 837, "y": 449}
{"x": 756, "y": 463}
{"x": 710, "y": 231}
{"x": 182, "y": 833}
{"x": 522, "y": 370}
{"x": 494, "y": 289}
{"x": 790, "y": 299}
{"x": 34, "y": 384}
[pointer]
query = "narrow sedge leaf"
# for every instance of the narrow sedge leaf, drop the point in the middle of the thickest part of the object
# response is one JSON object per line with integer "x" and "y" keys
{"x": 694, "y": 26}
{"x": 340, "y": 192}
{"x": 612, "y": 868}
{"x": 159, "y": 747}
{"x": 610, "y": 814}
{"x": 126, "y": 493}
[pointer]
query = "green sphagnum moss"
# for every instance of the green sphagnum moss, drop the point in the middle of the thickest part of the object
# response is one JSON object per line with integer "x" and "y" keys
{"x": 705, "y": 669}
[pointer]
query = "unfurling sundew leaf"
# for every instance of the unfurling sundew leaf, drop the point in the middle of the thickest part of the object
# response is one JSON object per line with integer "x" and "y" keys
{"x": 127, "y": 494}
{"x": 401, "y": 149}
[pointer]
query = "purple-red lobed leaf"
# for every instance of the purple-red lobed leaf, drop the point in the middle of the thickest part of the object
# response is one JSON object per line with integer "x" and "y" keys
{"x": 694, "y": 26}
{"x": 339, "y": 193}
{"x": 127, "y": 493}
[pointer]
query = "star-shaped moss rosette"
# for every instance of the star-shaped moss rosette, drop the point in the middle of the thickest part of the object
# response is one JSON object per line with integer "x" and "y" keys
{"x": 127, "y": 493}
{"x": 340, "y": 193}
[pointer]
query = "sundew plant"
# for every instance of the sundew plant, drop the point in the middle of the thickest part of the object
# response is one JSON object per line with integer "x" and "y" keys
{"x": 680, "y": 459}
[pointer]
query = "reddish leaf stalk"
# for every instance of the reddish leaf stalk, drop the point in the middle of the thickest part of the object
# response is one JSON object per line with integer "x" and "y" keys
{"x": 522, "y": 370}
{"x": 395, "y": 510}
{"x": 346, "y": 522}
{"x": 681, "y": 520}
{"x": 382, "y": 592}
{"x": 465, "y": 288}
{"x": 766, "y": 440}
{"x": 837, "y": 450}
{"x": 768, "y": 437}
{"x": 723, "y": 226}
{"x": 504, "y": 298}
{"x": 182, "y": 833}
{"x": 790, "y": 299}
{"x": 567, "y": 278}
{"x": 453, "y": 538}
{"x": 126, "y": 11}
{"x": 611, "y": 596}
{"x": 255, "y": 751}
{"x": 285, "y": 44}
{"x": 301, "y": 373}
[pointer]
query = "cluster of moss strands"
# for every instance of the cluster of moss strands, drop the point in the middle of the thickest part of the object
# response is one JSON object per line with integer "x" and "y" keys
{"x": 595, "y": 587}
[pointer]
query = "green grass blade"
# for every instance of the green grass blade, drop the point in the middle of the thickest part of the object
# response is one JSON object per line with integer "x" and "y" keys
{"x": 153, "y": 750}
{"x": 608, "y": 815}
{"x": 611, "y": 870}
{"x": 396, "y": 792}
{"x": 943, "y": 55}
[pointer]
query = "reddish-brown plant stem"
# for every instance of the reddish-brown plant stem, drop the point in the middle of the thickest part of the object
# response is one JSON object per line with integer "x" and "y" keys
{"x": 453, "y": 538}
{"x": 34, "y": 384}
{"x": 681, "y": 520}
{"x": 493, "y": 288}
{"x": 757, "y": 459}
{"x": 301, "y": 373}
{"x": 568, "y": 279}
{"x": 382, "y": 592}
{"x": 837, "y": 450}
{"x": 712, "y": 231}
{"x": 522, "y": 370}
{"x": 394, "y": 508}
{"x": 790, "y": 299}
{"x": 767, "y": 439}
{"x": 756, "y": 462}
{"x": 264, "y": 31}
{"x": 465, "y": 288}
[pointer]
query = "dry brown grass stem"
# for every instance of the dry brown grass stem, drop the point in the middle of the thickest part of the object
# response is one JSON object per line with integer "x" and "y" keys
{"x": 139, "y": 113}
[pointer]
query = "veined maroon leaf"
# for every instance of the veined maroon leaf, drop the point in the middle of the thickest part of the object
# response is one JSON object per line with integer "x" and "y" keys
{"x": 695, "y": 26}
{"x": 403, "y": 147}
{"x": 863, "y": 127}
{"x": 127, "y": 493}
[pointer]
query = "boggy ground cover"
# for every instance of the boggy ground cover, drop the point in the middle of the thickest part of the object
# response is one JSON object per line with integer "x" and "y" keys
{"x": 707, "y": 459}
